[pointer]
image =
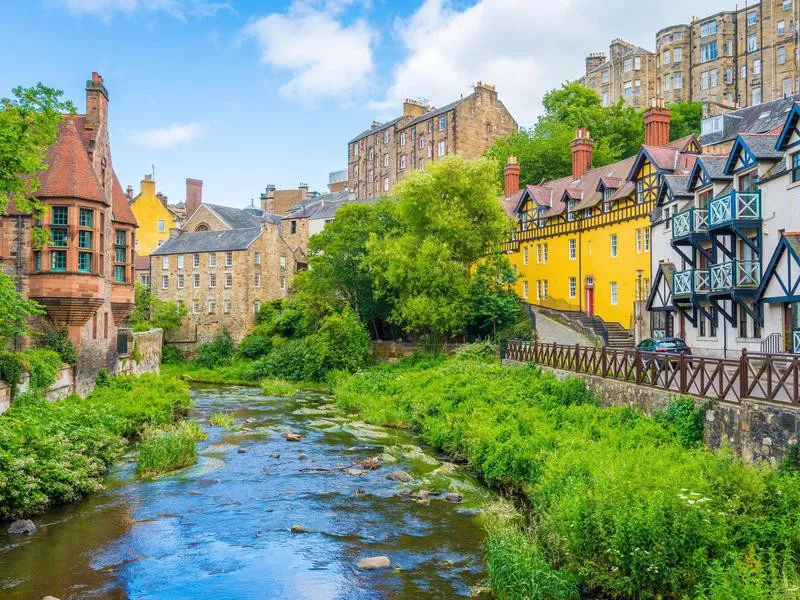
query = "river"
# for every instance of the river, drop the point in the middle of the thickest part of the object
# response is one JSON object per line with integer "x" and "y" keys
{"x": 221, "y": 529}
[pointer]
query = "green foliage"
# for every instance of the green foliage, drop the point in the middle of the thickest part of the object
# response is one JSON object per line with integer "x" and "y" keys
{"x": 221, "y": 419}
{"x": 171, "y": 355}
{"x": 544, "y": 151}
{"x": 493, "y": 303}
{"x": 150, "y": 312}
{"x": 57, "y": 452}
{"x": 56, "y": 338}
{"x": 12, "y": 367}
{"x": 255, "y": 345}
{"x": 685, "y": 418}
{"x": 166, "y": 449}
{"x": 616, "y": 498}
{"x": 341, "y": 343}
{"x": 15, "y": 308}
{"x": 42, "y": 366}
{"x": 219, "y": 352}
{"x": 685, "y": 119}
{"x": 481, "y": 351}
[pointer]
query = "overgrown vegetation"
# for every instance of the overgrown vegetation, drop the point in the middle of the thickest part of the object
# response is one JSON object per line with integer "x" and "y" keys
{"x": 151, "y": 312}
{"x": 221, "y": 419}
{"x": 168, "y": 448}
{"x": 621, "y": 506}
{"x": 56, "y": 338}
{"x": 57, "y": 452}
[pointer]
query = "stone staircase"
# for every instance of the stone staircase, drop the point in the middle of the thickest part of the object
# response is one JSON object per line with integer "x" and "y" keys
{"x": 619, "y": 338}
{"x": 612, "y": 335}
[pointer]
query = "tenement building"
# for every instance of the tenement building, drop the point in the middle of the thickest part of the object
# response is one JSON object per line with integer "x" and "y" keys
{"x": 83, "y": 275}
{"x": 381, "y": 156}
{"x": 727, "y": 60}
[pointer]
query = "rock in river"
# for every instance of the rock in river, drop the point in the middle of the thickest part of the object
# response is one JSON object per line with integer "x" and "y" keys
{"x": 453, "y": 497}
{"x": 290, "y": 436}
{"x": 22, "y": 526}
{"x": 299, "y": 529}
{"x": 303, "y": 456}
{"x": 374, "y": 562}
{"x": 400, "y": 476}
{"x": 275, "y": 455}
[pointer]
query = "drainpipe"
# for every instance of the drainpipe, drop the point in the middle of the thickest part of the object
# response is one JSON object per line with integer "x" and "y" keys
{"x": 18, "y": 270}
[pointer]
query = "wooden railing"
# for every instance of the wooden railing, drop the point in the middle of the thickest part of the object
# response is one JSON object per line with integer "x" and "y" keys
{"x": 770, "y": 377}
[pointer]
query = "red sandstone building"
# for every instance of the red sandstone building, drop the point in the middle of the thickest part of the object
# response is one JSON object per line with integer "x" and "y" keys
{"x": 84, "y": 276}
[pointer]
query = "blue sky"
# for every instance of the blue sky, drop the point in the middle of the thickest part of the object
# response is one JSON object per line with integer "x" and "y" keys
{"x": 242, "y": 94}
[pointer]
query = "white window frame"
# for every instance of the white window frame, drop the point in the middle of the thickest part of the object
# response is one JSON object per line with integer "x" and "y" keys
{"x": 612, "y": 240}
{"x": 613, "y": 293}
{"x": 165, "y": 263}
{"x": 165, "y": 282}
{"x": 228, "y": 258}
{"x": 162, "y": 226}
{"x": 573, "y": 248}
{"x": 228, "y": 280}
{"x": 257, "y": 280}
{"x": 573, "y": 287}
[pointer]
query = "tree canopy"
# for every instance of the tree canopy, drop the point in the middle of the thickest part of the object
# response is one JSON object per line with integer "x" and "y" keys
{"x": 15, "y": 309}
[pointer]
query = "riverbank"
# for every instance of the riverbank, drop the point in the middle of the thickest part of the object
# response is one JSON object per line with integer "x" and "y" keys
{"x": 54, "y": 453}
{"x": 620, "y": 504}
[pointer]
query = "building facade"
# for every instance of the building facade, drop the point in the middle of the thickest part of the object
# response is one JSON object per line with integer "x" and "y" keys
{"x": 154, "y": 216}
{"x": 727, "y": 60}
{"x": 381, "y": 156}
{"x": 628, "y": 73}
{"x": 83, "y": 276}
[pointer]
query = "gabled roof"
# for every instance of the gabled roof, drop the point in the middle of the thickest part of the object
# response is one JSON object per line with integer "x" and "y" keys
{"x": 665, "y": 274}
{"x": 789, "y": 242}
{"x": 209, "y": 241}
{"x": 789, "y": 127}
{"x": 434, "y": 113}
{"x": 377, "y": 129}
{"x": 70, "y": 173}
{"x": 706, "y": 170}
{"x": 682, "y": 144}
{"x": 677, "y": 185}
{"x": 235, "y": 218}
{"x": 769, "y": 116}
{"x": 755, "y": 147}
{"x": 663, "y": 158}
{"x": 120, "y": 207}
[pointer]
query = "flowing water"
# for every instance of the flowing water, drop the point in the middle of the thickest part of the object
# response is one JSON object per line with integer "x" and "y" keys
{"x": 221, "y": 529}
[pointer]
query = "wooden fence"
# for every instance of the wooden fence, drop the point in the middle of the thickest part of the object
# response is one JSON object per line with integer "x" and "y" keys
{"x": 770, "y": 377}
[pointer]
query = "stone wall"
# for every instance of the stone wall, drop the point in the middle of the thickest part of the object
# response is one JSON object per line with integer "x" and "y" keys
{"x": 757, "y": 431}
{"x": 144, "y": 355}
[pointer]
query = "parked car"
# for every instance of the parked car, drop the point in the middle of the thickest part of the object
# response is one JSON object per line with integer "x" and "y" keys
{"x": 668, "y": 345}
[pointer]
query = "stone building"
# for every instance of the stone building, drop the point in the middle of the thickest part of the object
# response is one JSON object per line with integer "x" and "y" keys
{"x": 380, "y": 157}
{"x": 84, "y": 275}
{"x": 627, "y": 73}
{"x": 727, "y": 60}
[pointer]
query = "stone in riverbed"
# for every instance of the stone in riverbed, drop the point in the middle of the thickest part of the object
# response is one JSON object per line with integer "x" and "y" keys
{"x": 423, "y": 495}
{"x": 424, "y": 501}
{"x": 275, "y": 455}
{"x": 374, "y": 562}
{"x": 400, "y": 476}
{"x": 22, "y": 526}
{"x": 299, "y": 529}
{"x": 290, "y": 436}
{"x": 242, "y": 451}
{"x": 303, "y": 456}
{"x": 355, "y": 472}
{"x": 49, "y": 598}
{"x": 453, "y": 497}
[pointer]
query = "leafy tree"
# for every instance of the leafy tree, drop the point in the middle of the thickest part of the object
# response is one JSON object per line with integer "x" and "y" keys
{"x": 544, "y": 151}
{"x": 151, "y": 312}
{"x": 685, "y": 119}
{"x": 493, "y": 302}
{"x": 28, "y": 127}
{"x": 15, "y": 309}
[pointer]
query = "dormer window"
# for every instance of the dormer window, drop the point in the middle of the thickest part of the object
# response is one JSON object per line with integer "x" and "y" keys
{"x": 639, "y": 191}
{"x": 570, "y": 210}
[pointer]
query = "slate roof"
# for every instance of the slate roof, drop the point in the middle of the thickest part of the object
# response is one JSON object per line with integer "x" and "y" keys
{"x": 761, "y": 118}
{"x": 677, "y": 185}
{"x": 236, "y": 218}
{"x": 209, "y": 241}
{"x": 434, "y": 113}
{"x": 762, "y": 145}
{"x": 380, "y": 127}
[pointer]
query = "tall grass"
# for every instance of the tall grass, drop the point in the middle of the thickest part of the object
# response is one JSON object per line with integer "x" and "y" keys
{"x": 168, "y": 448}
{"x": 619, "y": 500}
{"x": 222, "y": 419}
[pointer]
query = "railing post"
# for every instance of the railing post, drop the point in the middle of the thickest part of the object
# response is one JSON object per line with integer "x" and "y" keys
{"x": 682, "y": 367}
{"x": 578, "y": 358}
{"x": 603, "y": 362}
{"x": 638, "y": 365}
{"x": 555, "y": 356}
{"x": 744, "y": 365}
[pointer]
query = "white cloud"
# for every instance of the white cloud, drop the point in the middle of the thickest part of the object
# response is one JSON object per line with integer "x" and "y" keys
{"x": 167, "y": 137}
{"x": 325, "y": 57}
{"x": 181, "y": 9}
{"x": 523, "y": 47}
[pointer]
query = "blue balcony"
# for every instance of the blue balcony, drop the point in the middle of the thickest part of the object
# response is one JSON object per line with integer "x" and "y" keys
{"x": 735, "y": 276}
{"x": 735, "y": 209}
{"x": 692, "y": 282}
{"x": 688, "y": 223}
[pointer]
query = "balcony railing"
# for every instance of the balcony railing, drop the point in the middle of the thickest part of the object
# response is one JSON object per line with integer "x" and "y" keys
{"x": 687, "y": 222}
{"x": 693, "y": 281}
{"x": 735, "y": 274}
{"x": 735, "y": 206}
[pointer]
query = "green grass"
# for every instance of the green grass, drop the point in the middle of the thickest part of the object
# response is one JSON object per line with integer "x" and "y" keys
{"x": 620, "y": 504}
{"x": 222, "y": 419}
{"x": 281, "y": 387}
{"x": 234, "y": 374}
{"x": 166, "y": 449}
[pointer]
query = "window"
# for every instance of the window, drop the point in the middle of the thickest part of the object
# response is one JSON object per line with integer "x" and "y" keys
{"x": 787, "y": 87}
{"x": 84, "y": 262}
{"x": 180, "y": 261}
{"x": 403, "y": 138}
{"x": 606, "y": 76}
{"x": 257, "y": 280}
{"x": 180, "y": 281}
{"x": 729, "y": 48}
{"x": 781, "y": 27}
{"x": 355, "y": 170}
{"x": 752, "y": 42}
{"x": 402, "y": 161}
{"x": 638, "y": 241}
{"x": 258, "y": 258}
{"x": 385, "y": 184}
{"x": 606, "y": 100}
{"x": 677, "y": 36}
{"x": 538, "y": 254}
{"x": 85, "y": 240}
{"x": 752, "y": 18}
{"x": 430, "y": 151}
{"x": 212, "y": 280}
{"x": 212, "y": 306}
{"x": 757, "y": 66}
{"x": 756, "y": 95}
{"x": 86, "y": 217}
{"x": 539, "y": 289}
{"x": 708, "y": 52}
{"x": 637, "y": 87}
{"x": 370, "y": 176}
{"x": 386, "y": 137}
{"x": 282, "y": 261}
{"x": 627, "y": 89}
{"x": 637, "y": 63}
{"x": 573, "y": 287}
{"x": 229, "y": 258}
{"x": 212, "y": 259}
{"x": 293, "y": 227}
{"x": 667, "y": 57}
{"x": 144, "y": 279}
{"x": 371, "y": 154}
{"x": 573, "y": 250}
{"x": 165, "y": 262}
{"x": 677, "y": 55}
{"x": 613, "y": 245}
{"x": 782, "y": 55}
{"x": 704, "y": 80}
{"x": 120, "y": 252}
{"x": 195, "y": 307}
{"x": 386, "y": 159}
{"x": 796, "y": 167}
{"x": 614, "y": 298}
{"x": 524, "y": 289}
{"x": 707, "y": 29}
{"x": 421, "y": 163}
{"x": 545, "y": 294}
{"x": 228, "y": 280}
{"x": 639, "y": 191}
{"x": 713, "y": 76}
{"x": 442, "y": 148}
{"x": 442, "y": 122}
{"x": 226, "y": 307}
{"x": 525, "y": 255}
{"x": 195, "y": 260}
{"x": 667, "y": 80}
{"x": 283, "y": 282}
{"x": 545, "y": 253}
{"x": 678, "y": 80}
{"x": 627, "y": 65}
{"x": 162, "y": 226}
{"x": 744, "y": 71}
{"x": 787, "y": 4}
{"x": 196, "y": 279}
{"x": 646, "y": 239}
{"x": 421, "y": 140}
{"x": 729, "y": 75}
{"x": 165, "y": 282}
{"x": 37, "y": 261}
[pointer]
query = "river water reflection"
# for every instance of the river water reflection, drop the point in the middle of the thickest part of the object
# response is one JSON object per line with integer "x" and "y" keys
{"x": 220, "y": 529}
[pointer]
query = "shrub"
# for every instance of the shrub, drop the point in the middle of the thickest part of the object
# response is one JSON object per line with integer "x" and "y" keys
{"x": 42, "y": 366}
{"x": 279, "y": 387}
{"x": 218, "y": 352}
{"x": 255, "y": 346}
{"x": 171, "y": 355}
{"x": 686, "y": 418}
{"x": 166, "y": 449}
{"x": 341, "y": 343}
{"x": 290, "y": 361}
{"x": 481, "y": 351}
{"x": 57, "y": 339}
{"x": 12, "y": 367}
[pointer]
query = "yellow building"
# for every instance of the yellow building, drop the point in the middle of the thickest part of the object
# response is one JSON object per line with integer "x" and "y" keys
{"x": 154, "y": 217}
{"x": 582, "y": 242}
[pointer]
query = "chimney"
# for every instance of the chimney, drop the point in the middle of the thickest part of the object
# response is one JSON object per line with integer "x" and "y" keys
{"x": 582, "y": 147}
{"x": 163, "y": 199}
{"x": 129, "y": 192}
{"x": 594, "y": 60}
{"x": 268, "y": 200}
{"x": 511, "y": 173}
{"x": 303, "y": 187}
{"x": 96, "y": 102}
{"x": 147, "y": 186}
{"x": 194, "y": 195}
{"x": 414, "y": 108}
{"x": 656, "y": 124}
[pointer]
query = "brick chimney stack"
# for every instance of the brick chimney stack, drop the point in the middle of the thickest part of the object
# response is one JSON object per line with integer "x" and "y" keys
{"x": 268, "y": 200}
{"x": 511, "y": 175}
{"x": 96, "y": 101}
{"x": 582, "y": 149}
{"x": 194, "y": 195}
{"x": 656, "y": 124}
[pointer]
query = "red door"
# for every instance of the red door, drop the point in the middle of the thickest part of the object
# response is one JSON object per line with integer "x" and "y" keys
{"x": 590, "y": 301}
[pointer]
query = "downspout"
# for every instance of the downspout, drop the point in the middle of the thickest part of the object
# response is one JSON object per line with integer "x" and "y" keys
{"x": 18, "y": 270}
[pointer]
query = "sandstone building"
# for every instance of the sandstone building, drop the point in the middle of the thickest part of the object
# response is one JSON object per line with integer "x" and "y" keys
{"x": 381, "y": 156}
{"x": 727, "y": 60}
{"x": 84, "y": 275}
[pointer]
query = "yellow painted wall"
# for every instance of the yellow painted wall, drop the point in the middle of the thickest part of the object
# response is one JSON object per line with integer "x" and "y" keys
{"x": 149, "y": 210}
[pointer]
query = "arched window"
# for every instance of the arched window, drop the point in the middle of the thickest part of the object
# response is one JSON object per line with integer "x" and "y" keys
{"x": 202, "y": 227}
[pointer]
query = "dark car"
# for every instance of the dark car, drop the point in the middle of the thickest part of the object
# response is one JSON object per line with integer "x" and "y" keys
{"x": 667, "y": 345}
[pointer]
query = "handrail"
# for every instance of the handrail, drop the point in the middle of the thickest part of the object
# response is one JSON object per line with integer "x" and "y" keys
{"x": 771, "y": 344}
{"x": 735, "y": 205}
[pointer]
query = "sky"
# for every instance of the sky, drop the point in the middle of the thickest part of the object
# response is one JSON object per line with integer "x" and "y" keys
{"x": 243, "y": 93}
